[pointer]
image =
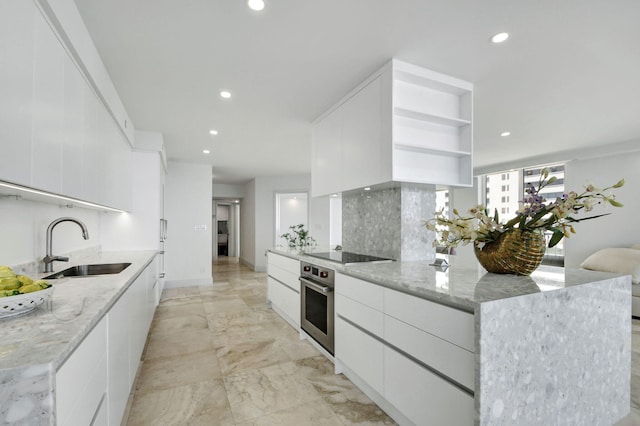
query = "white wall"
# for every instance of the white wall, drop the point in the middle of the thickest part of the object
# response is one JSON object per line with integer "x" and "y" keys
{"x": 320, "y": 219}
{"x": 620, "y": 229}
{"x": 258, "y": 216}
{"x": 221, "y": 190}
{"x": 292, "y": 209}
{"x": 248, "y": 226}
{"x": 335, "y": 222}
{"x": 188, "y": 210}
{"x": 23, "y": 226}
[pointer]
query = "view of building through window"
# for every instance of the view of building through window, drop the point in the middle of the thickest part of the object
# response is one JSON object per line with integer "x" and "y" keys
{"x": 442, "y": 201}
{"x": 504, "y": 190}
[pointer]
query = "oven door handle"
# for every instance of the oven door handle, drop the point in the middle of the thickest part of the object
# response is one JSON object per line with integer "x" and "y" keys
{"x": 316, "y": 287}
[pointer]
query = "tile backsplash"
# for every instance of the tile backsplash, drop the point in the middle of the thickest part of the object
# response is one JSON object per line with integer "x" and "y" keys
{"x": 390, "y": 222}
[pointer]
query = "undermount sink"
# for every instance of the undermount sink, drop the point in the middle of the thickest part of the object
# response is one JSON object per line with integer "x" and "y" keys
{"x": 89, "y": 270}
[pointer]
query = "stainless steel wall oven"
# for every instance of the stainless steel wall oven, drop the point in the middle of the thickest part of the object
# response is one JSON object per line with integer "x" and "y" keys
{"x": 316, "y": 303}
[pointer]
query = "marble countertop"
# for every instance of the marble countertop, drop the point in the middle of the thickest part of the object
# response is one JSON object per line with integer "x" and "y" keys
{"x": 460, "y": 287}
{"x": 48, "y": 335}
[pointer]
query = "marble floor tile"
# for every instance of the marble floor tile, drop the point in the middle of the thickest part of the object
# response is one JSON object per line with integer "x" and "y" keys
{"x": 315, "y": 413}
{"x": 168, "y": 372}
{"x": 246, "y": 333}
{"x": 179, "y": 324}
{"x": 177, "y": 301}
{"x": 250, "y": 355}
{"x": 202, "y": 403}
{"x": 256, "y": 393}
{"x": 355, "y": 408}
{"x": 257, "y": 300}
{"x": 224, "y": 305}
{"x": 180, "y": 292}
{"x": 222, "y": 321}
{"x": 161, "y": 346}
{"x": 183, "y": 309}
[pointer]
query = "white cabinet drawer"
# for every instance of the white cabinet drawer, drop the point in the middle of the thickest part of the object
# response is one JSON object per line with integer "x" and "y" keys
{"x": 81, "y": 381}
{"x": 423, "y": 397}
{"x": 285, "y": 277}
{"x": 451, "y": 360}
{"x": 364, "y": 316}
{"x": 286, "y": 263}
{"x": 285, "y": 300}
{"x": 364, "y": 292}
{"x": 360, "y": 353}
{"x": 450, "y": 324}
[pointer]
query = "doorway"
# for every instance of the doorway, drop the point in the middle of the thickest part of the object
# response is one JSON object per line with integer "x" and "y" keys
{"x": 226, "y": 225}
{"x": 291, "y": 209}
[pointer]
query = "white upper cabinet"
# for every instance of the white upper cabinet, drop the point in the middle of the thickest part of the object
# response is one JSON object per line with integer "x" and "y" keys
{"x": 59, "y": 135}
{"x": 48, "y": 110}
{"x": 73, "y": 129}
{"x": 402, "y": 124}
{"x": 326, "y": 170}
{"x": 17, "y": 33}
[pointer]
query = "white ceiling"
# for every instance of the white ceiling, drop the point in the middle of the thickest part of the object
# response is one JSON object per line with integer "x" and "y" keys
{"x": 567, "y": 78}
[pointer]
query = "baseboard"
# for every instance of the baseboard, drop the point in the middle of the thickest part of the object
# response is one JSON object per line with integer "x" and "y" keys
{"x": 251, "y": 266}
{"x": 246, "y": 263}
{"x": 194, "y": 282}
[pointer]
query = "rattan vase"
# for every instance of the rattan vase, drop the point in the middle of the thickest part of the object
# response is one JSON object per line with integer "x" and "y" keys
{"x": 515, "y": 252}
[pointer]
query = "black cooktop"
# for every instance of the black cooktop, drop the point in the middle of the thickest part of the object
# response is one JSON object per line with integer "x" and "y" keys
{"x": 346, "y": 257}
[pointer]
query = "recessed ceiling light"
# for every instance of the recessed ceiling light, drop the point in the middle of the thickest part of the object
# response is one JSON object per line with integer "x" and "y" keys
{"x": 213, "y": 132}
{"x": 367, "y": 189}
{"x": 500, "y": 37}
{"x": 237, "y": 201}
{"x": 334, "y": 195}
{"x": 206, "y": 151}
{"x": 225, "y": 94}
{"x": 256, "y": 4}
{"x": 505, "y": 134}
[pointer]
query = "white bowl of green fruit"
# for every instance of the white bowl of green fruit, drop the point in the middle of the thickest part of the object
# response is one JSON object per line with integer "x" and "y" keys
{"x": 20, "y": 294}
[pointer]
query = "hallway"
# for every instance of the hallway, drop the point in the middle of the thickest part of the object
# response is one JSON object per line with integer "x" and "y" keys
{"x": 218, "y": 356}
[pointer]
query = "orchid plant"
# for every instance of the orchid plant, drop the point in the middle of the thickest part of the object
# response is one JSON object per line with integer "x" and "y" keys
{"x": 535, "y": 213}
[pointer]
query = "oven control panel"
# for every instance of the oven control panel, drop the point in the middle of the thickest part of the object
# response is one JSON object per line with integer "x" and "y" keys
{"x": 316, "y": 273}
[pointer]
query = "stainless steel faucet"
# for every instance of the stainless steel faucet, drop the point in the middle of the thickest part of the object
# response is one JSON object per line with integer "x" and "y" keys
{"x": 50, "y": 258}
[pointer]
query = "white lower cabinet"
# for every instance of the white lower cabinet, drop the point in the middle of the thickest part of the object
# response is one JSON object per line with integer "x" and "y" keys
{"x": 415, "y": 357}
{"x": 129, "y": 322}
{"x": 360, "y": 353}
{"x": 102, "y": 416}
{"x": 423, "y": 397}
{"x": 286, "y": 300}
{"x": 119, "y": 374}
{"x": 93, "y": 384}
{"x": 283, "y": 287}
{"x": 81, "y": 381}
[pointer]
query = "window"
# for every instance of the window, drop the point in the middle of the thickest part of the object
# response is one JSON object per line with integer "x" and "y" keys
{"x": 504, "y": 198}
{"x": 442, "y": 201}
{"x": 555, "y": 255}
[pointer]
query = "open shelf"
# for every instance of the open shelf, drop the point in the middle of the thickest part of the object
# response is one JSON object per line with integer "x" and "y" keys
{"x": 446, "y": 121}
{"x": 409, "y": 146}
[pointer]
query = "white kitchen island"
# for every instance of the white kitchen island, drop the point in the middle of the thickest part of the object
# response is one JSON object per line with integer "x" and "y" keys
{"x": 463, "y": 346}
